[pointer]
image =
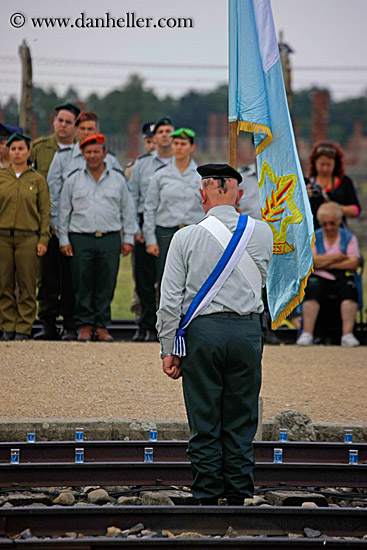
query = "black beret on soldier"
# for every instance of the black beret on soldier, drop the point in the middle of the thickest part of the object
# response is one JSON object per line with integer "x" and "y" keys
{"x": 164, "y": 121}
{"x": 218, "y": 171}
{"x": 69, "y": 107}
{"x": 148, "y": 130}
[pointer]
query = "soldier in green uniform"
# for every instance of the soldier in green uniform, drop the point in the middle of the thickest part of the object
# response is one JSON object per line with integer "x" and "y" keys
{"x": 42, "y": 154}
{"x": 221, "y": 363}
{"x": 24, "y": 234}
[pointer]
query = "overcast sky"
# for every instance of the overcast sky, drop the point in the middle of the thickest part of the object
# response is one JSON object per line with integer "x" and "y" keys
{"x": 328, "y": 37}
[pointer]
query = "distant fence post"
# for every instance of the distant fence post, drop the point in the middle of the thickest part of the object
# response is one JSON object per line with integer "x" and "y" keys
{"x": 26, "y": 99}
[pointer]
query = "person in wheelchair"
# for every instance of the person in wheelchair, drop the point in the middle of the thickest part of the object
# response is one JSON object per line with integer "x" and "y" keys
{"x": 336, "y": 259}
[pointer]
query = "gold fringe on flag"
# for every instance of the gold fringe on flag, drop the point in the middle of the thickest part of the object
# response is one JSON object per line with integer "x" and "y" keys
{"x": 256, "y": 129}
{"x": 297, "y": 300}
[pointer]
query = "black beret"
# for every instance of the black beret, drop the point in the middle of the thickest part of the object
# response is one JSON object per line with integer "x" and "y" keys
{"x": 18, "y": 137}
{"x": 148, "y": 129}
{"x": 6, "y": 131}
{"x": 218, "y": 171}
{"x": 164, "y": 121}
{"x": 69, "y": 107}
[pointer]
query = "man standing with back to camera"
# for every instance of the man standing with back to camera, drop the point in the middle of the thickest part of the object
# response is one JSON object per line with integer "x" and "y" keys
{"x": 220, "y": 361}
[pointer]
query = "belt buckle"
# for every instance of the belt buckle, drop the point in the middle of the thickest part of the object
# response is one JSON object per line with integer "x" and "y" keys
{"x": 98, "y": 234}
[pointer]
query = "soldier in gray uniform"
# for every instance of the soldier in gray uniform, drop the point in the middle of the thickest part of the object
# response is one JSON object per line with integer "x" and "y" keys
{"x": 65, "y": 161}
{"x": 221, "y": 366}
{"x": 95, "y": 205}
{"x": 173, "y": 198}
{"x": 146, "y": 264}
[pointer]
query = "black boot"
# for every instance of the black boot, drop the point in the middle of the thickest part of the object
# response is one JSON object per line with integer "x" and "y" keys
{"x": 68, "y": 334}
{"x": 48, "y": 331}
{"x": 7, "y": 336}
{"x": 21, "y": 336}
{"x": 140, "y": 335}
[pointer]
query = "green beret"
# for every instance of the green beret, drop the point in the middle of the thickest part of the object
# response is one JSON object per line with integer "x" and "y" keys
{"x": 183, "y": 133}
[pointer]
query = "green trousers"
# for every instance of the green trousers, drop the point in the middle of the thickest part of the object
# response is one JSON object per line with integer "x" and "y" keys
{"x": 55, "y": 288}
{"x": 145, "y": 271}
{"x": 18, "y": 262}
{"x": 94, "y": 266}
{"x": 162, "y": 232}
{"x": 221, "y": 383}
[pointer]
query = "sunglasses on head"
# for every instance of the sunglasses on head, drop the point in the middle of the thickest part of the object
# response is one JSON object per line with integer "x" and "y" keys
{"x": 326, "y": 149}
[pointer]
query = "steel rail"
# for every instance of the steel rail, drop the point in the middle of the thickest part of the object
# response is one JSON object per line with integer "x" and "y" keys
{"x": 209, "y": 520}
{"x": 175, "y": 451}
{"x": 268, "y": 543}
{"x": 175, "y": 473}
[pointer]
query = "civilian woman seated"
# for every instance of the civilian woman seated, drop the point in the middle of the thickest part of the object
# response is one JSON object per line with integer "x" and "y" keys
{"x": 336, "y": 255}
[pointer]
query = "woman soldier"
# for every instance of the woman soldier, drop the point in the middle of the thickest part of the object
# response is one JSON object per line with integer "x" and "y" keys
{"x": 24, "y": 235}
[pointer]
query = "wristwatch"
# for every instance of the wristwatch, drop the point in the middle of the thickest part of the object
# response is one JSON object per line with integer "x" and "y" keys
{"x": 162, "y": 355}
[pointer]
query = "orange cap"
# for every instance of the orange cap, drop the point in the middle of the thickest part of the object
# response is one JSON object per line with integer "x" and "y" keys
{"x": 91, "y": 140}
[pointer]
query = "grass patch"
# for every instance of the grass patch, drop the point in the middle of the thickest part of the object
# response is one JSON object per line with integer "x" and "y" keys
{"x": 120, "y": 306}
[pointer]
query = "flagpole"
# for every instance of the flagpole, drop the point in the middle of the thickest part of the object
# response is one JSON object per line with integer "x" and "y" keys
{"x": 233, "y": 144}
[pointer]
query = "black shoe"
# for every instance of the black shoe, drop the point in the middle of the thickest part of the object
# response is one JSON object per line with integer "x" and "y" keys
{"x": 235, "y": 501}
{"x": 151, "y": 336}
{"x": 139, "y": 335}
{"x": 48, "y": 332}
{"x": 271, "y": 338}
{"x": 210, "y": 501}
{"x": 7, "y": 336}
{"x": 68, "y": 335}
{"x": 21, "y": 336}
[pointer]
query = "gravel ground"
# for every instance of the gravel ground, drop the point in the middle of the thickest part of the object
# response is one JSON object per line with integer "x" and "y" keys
{"x": 125, "y": 380}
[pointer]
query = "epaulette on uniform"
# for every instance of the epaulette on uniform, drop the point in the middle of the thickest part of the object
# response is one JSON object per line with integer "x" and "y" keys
{"x": 143, "y": 156}
{"x": 63, "y": 150}
{"x": 73, "y": 172}
{"x": 119, "y": 171}
{"x": 39, "y": 140}
{"x": 160, "y": 167}
{"x": 111, "y": 153}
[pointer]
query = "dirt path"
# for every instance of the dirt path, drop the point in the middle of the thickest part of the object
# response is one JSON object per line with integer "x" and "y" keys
{"x": 124, "y": 380}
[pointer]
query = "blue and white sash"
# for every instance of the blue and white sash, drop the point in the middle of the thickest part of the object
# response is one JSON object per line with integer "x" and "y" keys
{"x": 206, "y": 294}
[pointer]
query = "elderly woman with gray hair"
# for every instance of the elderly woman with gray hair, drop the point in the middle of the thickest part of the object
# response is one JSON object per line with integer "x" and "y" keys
{"x": 336, "y": 257}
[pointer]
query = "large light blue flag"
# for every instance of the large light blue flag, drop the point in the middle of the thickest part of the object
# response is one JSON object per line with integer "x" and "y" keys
{"x": 257, "y": 100}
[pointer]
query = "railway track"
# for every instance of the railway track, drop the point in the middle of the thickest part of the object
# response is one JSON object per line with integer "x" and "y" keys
{"x": 175, "y": 451}
{"x": 210, "y": 521}
{"x": 175, "y": 473}
{"x": 121, "y": 463}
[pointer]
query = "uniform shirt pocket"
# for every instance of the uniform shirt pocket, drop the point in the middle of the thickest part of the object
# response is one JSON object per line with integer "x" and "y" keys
{"x": 112, "y": 197}
{"x": 80, "y": 199}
